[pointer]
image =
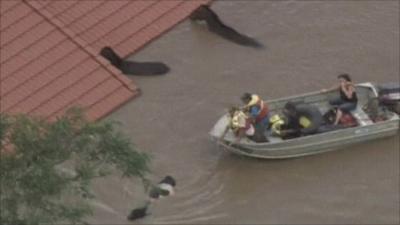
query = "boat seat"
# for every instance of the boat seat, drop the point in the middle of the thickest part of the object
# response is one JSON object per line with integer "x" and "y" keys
{"x": 361, "y": 117}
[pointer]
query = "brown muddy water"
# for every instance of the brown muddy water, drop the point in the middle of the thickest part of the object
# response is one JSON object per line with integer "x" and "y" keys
{"x": 308, "y": 44}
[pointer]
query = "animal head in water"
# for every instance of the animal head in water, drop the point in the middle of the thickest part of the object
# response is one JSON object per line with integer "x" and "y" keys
{"x": 168, "y": 180}
{"x": 108, "y": 53}
{"x": 138, "y": 213}
{"x": 154, "y": 193}
{"x": 201, "y": 13}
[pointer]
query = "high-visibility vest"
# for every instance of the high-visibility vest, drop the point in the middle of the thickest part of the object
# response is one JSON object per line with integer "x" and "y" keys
{"x": 276, "y": 124}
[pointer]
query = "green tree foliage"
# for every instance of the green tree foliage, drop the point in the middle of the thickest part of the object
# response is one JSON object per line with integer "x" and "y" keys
{"x": 47, "y": 176}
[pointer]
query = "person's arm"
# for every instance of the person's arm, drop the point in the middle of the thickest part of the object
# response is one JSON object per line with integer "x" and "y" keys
{"x": 332, "y": 88}
{"x": 287, "y": 132}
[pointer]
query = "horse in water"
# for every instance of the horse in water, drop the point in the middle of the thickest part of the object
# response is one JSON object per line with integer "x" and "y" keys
{"x": 164, "y": 188}
{"x": 215, "y": 25}
{"x": 129, "y": 67}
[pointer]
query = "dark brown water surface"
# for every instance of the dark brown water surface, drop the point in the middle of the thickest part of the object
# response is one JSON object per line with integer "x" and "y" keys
{"x": 308, "y": 44}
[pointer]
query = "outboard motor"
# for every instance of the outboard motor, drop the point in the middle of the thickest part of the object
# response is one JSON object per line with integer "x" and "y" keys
{"x": 389, "y": 96}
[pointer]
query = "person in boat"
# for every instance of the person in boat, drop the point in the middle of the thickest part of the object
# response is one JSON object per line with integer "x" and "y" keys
{"x": 302, "y": 119}
{"x": 347, "y": 100}
{"x": 242, "y": 126}
{"x": 257, "y": 109}
{"x": 277, "y": 123}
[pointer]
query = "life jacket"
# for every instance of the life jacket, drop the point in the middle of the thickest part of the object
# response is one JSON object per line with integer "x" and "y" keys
{"x": 241, "y": 121}
{"x": 257, "y": 101}
{"x": 304, "y": 122}
{"x": 276, "y": 124}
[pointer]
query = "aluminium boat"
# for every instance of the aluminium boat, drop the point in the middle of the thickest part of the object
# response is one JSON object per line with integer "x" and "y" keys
{"x": 366, "y": 129}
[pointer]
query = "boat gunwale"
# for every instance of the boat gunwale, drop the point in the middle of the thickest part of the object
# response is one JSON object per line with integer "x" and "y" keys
{"x": 389, "y": 121}
{"x": 289, "y": 147}
{"x": 256, "y": 153}
{"x": 322, "y": 93}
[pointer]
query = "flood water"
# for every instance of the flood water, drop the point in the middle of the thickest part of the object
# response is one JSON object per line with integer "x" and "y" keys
{"x": 308, "y": 43}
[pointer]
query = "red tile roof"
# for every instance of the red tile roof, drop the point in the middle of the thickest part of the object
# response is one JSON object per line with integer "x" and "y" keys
{"x": 49, "y": 51}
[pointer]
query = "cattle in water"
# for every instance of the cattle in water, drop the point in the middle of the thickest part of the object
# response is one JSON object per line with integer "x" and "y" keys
{"x": 215, "y": 25}
{"x": 129, "y": 67}
{"x": 164, "y": 188}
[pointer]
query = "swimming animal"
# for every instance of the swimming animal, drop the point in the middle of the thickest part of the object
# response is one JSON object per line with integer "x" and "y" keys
{"x": 133, "y": 68}
{"x": 139, "y": 213}
{"x": 215, "y": 25}
{"x": 164, "y": 188}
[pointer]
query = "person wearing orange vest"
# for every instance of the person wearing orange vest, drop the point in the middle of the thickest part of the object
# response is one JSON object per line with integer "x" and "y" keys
{"x": 257, "y": 109}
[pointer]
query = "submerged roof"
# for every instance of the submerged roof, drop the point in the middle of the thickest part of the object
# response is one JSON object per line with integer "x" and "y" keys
{"x": 49, "y": 51}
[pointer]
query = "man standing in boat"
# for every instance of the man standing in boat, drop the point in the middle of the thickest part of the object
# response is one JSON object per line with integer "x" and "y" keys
{"x": 257, "y": 109}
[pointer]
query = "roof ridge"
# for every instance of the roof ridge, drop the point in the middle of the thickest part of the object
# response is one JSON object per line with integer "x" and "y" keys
{"x": 82, "y": 44}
